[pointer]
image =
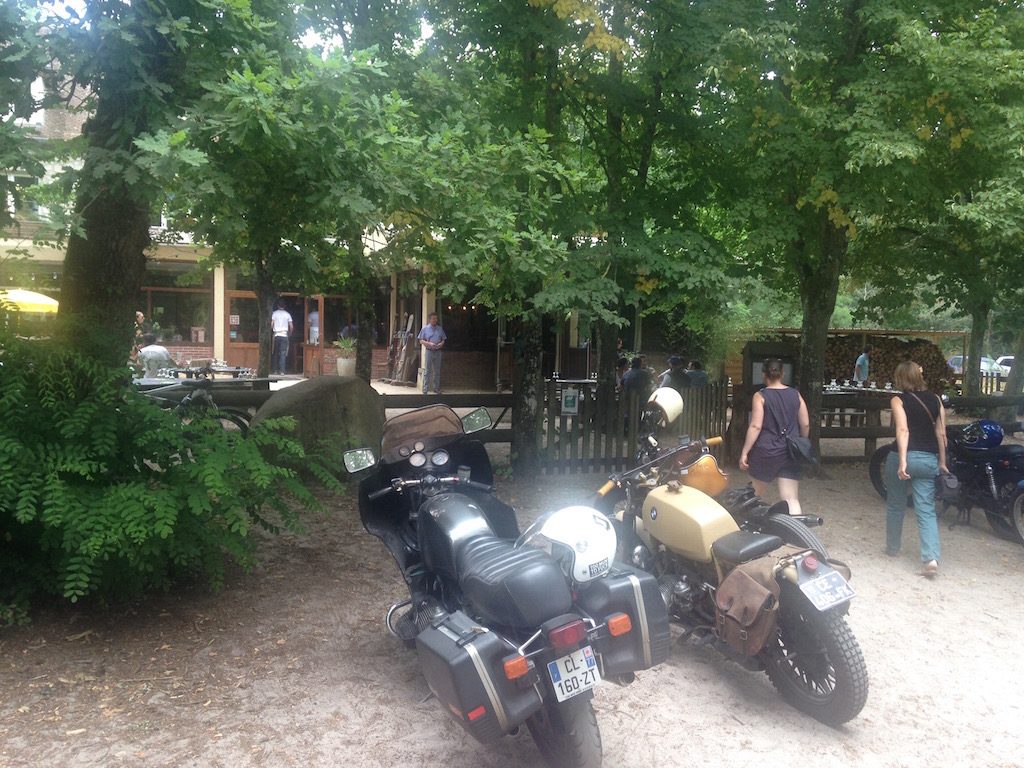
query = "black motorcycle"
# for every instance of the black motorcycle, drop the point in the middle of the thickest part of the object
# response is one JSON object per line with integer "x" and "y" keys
{"x": 509, "y": 629}
{"x": 990, "y": 475}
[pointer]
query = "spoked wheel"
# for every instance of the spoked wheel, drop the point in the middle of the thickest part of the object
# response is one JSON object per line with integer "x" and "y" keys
{"x": 1017, "y": 513}
{"x": 567, "y": 734}
{"x": 876, "y": 471}
{"x": 816, "y": 664}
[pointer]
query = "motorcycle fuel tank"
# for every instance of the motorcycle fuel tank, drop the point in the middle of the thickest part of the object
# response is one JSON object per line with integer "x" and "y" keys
{"x": 686, "y": 521}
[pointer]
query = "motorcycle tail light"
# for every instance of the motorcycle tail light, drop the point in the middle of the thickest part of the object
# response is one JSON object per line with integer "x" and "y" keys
{"x": 810, "y": 563}
{"x": 515, "y": 666}
{"x": 619, "y": 624}
{"x": 568, "y": 635}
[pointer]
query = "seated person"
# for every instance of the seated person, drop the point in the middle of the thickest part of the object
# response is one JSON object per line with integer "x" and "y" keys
{"x": 152, "y": 357}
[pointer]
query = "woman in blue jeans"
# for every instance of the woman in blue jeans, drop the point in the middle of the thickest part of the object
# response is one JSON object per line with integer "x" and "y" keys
{"x": 919, "y": 456}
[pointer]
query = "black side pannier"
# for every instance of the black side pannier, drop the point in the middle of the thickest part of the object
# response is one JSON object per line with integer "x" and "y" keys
{"x": 462, "y": 663}
{"x": 629, "y": 590}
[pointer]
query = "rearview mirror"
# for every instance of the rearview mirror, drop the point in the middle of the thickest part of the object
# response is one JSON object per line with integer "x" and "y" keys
{"x": 476, "y": 420}
{"x": 359, "y": 459}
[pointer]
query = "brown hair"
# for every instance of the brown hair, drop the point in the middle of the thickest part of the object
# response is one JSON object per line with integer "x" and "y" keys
{"x": 772, "y": 369}
{"x": 908, "y": 378}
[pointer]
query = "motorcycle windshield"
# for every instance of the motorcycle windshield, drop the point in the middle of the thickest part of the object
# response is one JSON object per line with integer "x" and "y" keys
{"x": 431, "y": 425}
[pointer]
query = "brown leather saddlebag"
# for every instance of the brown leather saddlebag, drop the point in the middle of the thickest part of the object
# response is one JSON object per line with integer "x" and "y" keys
{"x": 747, "y": 607}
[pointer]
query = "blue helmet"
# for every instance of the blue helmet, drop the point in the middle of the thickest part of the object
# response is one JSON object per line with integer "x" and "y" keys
{"x": 983, "y": 434}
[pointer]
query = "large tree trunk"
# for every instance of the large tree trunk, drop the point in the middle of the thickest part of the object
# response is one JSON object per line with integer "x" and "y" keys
{"x": 266, "y": 296}
{"x": 526, "y": 375}
{"x": 104, "y": 268}
{"x": 1014, "y": 381}
{"x": 972, "y": 365}
{"x": 819, "y": 287}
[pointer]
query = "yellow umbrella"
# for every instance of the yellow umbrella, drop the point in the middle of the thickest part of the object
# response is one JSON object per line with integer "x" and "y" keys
{"x": 28, "y": 301}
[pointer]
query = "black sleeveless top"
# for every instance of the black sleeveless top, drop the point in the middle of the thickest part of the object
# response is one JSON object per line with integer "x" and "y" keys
{"x": 921, "y": 417}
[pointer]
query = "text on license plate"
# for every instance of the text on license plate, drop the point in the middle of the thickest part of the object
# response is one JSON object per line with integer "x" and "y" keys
{"x": 574, "y": 673}
{"x": 827, "y": 590}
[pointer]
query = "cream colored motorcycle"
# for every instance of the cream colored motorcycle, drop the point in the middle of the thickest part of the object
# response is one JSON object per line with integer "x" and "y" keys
{"x": 773, "y": 607}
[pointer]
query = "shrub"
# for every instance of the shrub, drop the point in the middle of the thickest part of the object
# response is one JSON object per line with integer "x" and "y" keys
{"x": 102, "y": 491}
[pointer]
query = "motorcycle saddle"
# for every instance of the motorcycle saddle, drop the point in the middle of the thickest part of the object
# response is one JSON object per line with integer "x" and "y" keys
{"x": 511, "y": 587}
{"x": 994, "y": 454}
{"x": 741, "y": 546}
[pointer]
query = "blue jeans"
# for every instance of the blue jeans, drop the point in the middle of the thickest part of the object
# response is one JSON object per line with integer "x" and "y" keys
{"x": 922, "y": 468}
{"x": 280, "y": 355}
{"x": 432, "y": 371}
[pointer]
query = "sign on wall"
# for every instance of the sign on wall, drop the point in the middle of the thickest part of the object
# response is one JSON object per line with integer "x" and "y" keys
{"x": 570, "y": 401}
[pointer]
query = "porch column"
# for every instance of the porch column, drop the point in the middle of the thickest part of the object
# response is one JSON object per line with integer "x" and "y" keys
{"x": 219, "y": 312}
{"x": 429, "y": 304}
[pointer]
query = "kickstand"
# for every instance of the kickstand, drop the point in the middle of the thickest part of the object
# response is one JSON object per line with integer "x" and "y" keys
{"x": 963, "y": 517}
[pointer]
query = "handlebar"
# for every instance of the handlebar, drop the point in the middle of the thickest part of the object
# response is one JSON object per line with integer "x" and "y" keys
{"x": 615, "y": 480}
{"x": 398, "y": 485}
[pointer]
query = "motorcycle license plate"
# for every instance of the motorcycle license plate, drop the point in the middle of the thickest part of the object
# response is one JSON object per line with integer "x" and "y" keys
{"x": 827, "y": 590}
{"x": 574, "y": 673}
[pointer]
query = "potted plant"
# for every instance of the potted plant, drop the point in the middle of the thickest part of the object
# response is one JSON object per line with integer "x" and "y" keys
{"x": 346, "y": 356}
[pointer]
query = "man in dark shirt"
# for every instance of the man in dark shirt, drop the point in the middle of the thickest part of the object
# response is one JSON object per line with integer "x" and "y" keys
{"x": 675, "y": 376}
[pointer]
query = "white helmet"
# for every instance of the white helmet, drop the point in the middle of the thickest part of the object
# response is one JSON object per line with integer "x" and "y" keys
{"x": 581, "y": 539}
{"x": 668, "y": 401}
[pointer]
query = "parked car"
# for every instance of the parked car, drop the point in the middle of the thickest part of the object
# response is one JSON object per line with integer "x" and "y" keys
{"x": 1006, "y": 362}
{"x": 988, "y": 366}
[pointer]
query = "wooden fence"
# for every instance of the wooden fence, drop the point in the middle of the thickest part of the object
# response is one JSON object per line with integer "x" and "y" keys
{"x": 579, "y": 433}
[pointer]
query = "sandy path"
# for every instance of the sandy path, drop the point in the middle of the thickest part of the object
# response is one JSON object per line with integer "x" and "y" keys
{"x": 291, "y": 666}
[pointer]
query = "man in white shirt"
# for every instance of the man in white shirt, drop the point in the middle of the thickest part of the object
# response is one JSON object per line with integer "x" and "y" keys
{"x": 153, "y": 357}
{"x": 281, "y": 324}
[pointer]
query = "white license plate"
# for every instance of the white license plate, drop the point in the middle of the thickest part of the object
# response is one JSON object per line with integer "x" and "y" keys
{"x": 827, "y": 590}
{"x": 574, "y": 673}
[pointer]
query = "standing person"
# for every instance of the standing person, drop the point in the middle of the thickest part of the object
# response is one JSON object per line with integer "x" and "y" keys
{"x": 281, "y": 324}
{"x": 621, "y": 366}
{"x": 698, "y": 376}
{"x": 314, "y": 326}
{"x": 920, "y": 455}
{"x": 675, "y": 376}
{"x": 140, "y": 332}
{"x": 432, "y": 339}
{"x": 860, "y": 368}
{"x": 765, "y": 456}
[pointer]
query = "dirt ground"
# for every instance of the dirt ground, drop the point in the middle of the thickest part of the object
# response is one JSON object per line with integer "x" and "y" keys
{"x": 291, "y": 665}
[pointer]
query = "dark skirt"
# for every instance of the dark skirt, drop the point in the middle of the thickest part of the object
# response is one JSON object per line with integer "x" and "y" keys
{"x": 768, "y": 468}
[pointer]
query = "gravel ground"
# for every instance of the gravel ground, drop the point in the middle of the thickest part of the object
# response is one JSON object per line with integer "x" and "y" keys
{"x": 290, "y": 665}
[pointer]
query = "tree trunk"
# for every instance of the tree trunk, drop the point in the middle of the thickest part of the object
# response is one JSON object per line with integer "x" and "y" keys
{"x": 526, "y": 375}
{"x": 266, "y": 296}
{"x": 103, "y": 270}
{"x": 972, "y": 365}
{"x": 819, "y": 287}
{"x": 1014, "y": 384}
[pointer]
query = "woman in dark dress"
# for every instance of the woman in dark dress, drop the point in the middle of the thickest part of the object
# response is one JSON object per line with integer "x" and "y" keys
{"x": 765, "y": 456}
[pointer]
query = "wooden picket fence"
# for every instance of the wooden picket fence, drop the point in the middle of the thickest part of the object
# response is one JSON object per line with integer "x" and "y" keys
{"x": 603, "y": 435}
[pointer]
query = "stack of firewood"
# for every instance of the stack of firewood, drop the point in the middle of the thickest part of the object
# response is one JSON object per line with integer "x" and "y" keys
{"x": 886, "y": 353}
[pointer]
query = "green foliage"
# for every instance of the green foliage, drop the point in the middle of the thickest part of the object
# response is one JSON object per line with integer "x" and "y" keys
{"x": 103, "y": 492}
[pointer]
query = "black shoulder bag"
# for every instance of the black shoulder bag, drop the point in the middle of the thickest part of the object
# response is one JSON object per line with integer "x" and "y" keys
{"x": 799, "y": 447}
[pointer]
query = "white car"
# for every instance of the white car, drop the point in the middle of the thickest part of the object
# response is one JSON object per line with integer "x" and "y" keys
{"x": 988, "y": 366}
{"x": 1005, "y": 362}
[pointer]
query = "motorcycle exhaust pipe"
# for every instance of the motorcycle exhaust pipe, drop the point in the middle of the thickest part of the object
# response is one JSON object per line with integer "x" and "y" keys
{"x": 810, "y": 521}
{"x": 623, "y": 680}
